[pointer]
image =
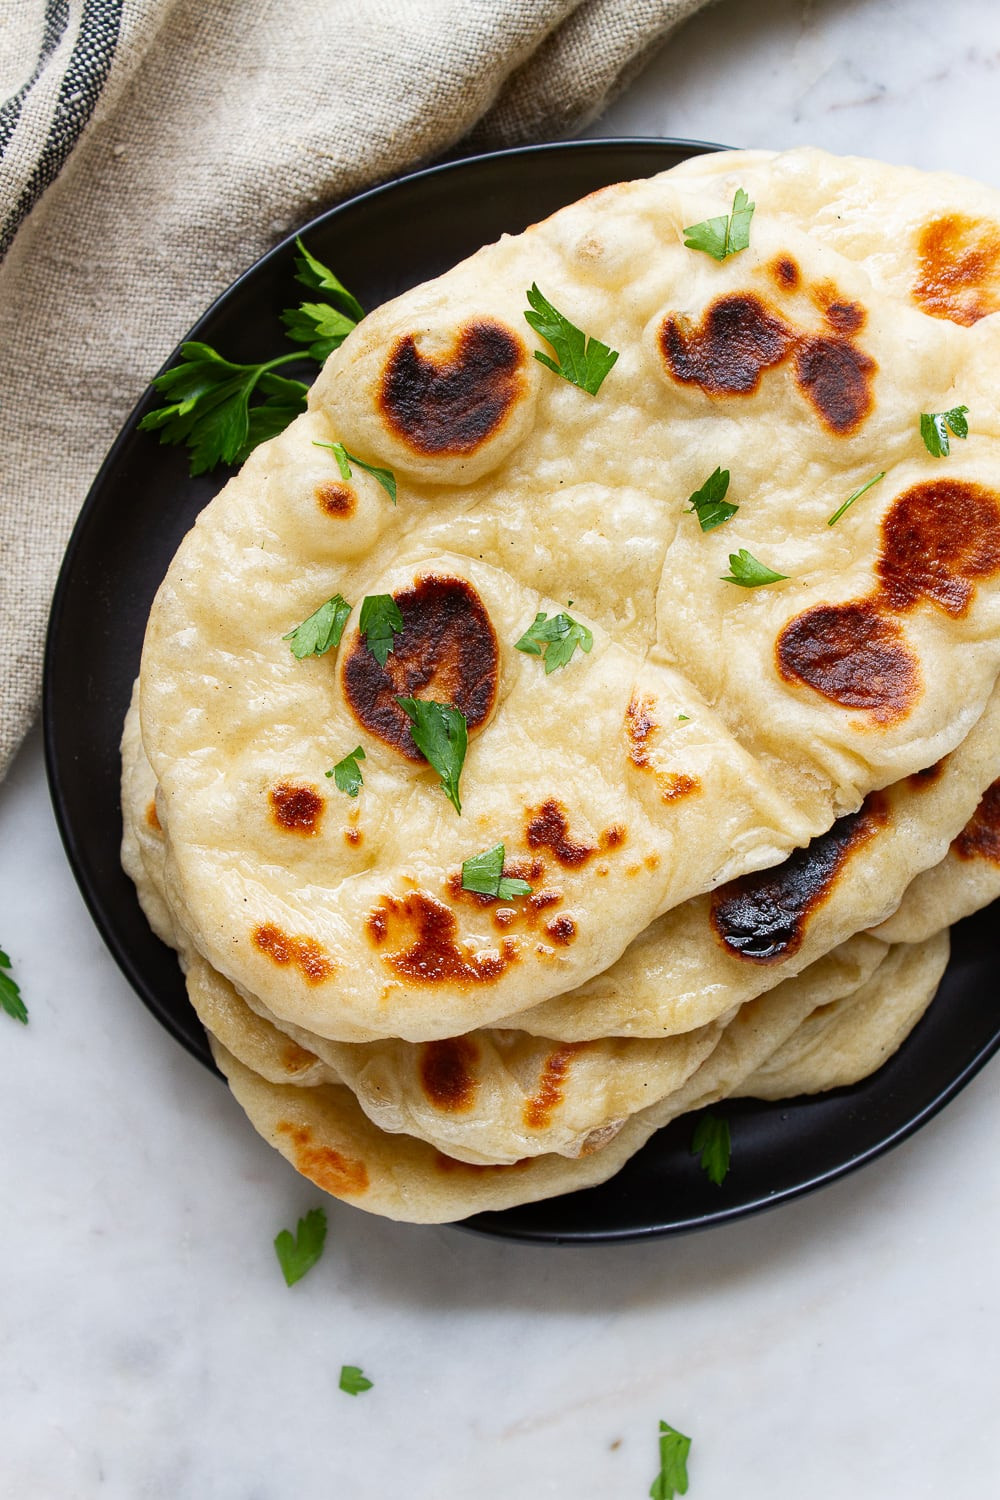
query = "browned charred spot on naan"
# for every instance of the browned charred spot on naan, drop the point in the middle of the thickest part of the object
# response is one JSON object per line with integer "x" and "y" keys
{"x": 303, "y": 953}
{"x": 676, "y": 784}
{"x": 446, "y": 651}
{"x": 927, "y": 776}
{"x": 538, "y": 1110}
{"x": 853, "y": 656}
{"x": 561, "y": 930}
{"x": 447, "y": 1073}
{"x": 958, "y": 262}
{"x": 841, "y": 314}
{"x": 453, "y": 404}
{"x": 786, "y": 272}
{"x": 548, "y": 828}
{"x": 836, "y": 378}
{"x": 739, "y": 338}
{"x": 337, "y": 500}
{"x": 431, "y": 953}
{"x": 613, "y": 837}
{"x": 153, "y": 817}
{"x": 938, "y": 538}
{"x": 295, "y": 1059}
{"x": 763, "y": 917}
{"x": 639, "y": 725}
{"x": 353, "y": 836}
{"x": 341, "y": 1176}
{"x": 727, "y": 353}
{"x": 980, "y": 838}
{"x": 296, "y": 809}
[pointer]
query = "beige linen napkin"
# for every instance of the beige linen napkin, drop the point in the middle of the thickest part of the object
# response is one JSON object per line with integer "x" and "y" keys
{"x": 151, "y": 149}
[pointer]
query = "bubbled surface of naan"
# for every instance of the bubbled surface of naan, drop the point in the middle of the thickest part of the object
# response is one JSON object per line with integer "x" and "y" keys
{"x": 486, "y": 446}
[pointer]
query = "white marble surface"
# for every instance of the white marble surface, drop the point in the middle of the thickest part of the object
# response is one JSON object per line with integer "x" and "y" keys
{"x": 843, "y": 1346}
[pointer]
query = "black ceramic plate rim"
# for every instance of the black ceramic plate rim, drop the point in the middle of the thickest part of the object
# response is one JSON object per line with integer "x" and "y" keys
{"x": 494, "y": 1224}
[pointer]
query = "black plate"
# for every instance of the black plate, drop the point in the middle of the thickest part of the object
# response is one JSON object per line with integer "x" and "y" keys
{"x": 143, "y": 502}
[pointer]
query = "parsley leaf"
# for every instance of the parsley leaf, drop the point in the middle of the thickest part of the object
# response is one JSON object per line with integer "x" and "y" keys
{"x": 380, "y": 623}
{"x": 322, "y": 630}
{"x": 209, "y": 408}
{"x": 863, "y": 489}
{"x": 319, "y": 278}
{"x": 582, "y": 361}
{"x": 347, "y": 775}
{"x": 725, "y": 235}
{"x": 711, "y": 1141}
{"x": 440, "y": 732}
{"x": 748, "y": 572}
{"x": 10, "y": 995}
{"x": 385, "y": 477}
{"x": 556, "y": 639}
{"x": 673, "y": 1477}
{"x": 298, "y": 1254}
{"x": 934, "y": 427}
{"x": 322, "y": 327}
{"x": 709, "y": 503}
{"x": 352, "y": 1381}
{"x": 483, "y": 873}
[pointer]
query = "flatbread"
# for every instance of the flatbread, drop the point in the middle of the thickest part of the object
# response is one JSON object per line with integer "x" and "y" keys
{"x": 966, "y": 880}
{"x": 710, "y": 730}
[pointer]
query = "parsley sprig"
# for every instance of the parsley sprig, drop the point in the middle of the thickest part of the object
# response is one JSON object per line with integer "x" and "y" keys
{"x": 745, "y": 570}
{"x": 712, "y": 1143}
{"x": 483, "y": 873}
{"x": 10, "y": 994}
{"x": 709, "y": 503}
{"x": 581, "y": 360}
{"x": 346, "y": 773}
{"x": 353, "y": 1381}
{"x": 673, "y": 1476}
{"x": 441, "y": 734}
{"x": 298, "y": 1253}
{"x": 221, "y": 410}
{"x": 321, "y": 631}
{"x": 555, "y": 639}
{"x": 935, "y": 426}
{"x": 726, "y": 234}
{"x": 385, "y": 477}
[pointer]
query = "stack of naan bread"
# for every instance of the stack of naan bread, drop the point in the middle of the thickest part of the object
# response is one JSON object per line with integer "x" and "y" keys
{"x": 747, "y": 815}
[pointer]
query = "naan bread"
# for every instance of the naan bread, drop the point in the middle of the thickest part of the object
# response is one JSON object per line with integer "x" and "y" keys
{"x": 966, "y": 880}
{"x": 842, "y": 1043}
{"x": 711, "y": 729}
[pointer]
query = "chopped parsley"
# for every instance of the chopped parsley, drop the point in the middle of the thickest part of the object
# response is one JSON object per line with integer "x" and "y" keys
{"x": 322, "y": 325}
{"x": 385, "y": 477}
{"x": 483, "y": 873}
{"x": 710, "y": 503}
{"x": 725, "y": 235}
{"x": 352, "y": 1381}
{"x": 321, "y": 631}
{"x": 440, "y": 732}
{"x": 380, "y": 623}
{"x": 299, "y": 1253}
{"x": 935, "y": 425}
{"x": 748, "y": 572}
{"x": 851, "y": 498}
{"x": 673, "y": 1476}
{"x": 10, "y": 994}
{"x": 711, "y": 1141}
{"x": 581, "y": 360}
{"x": 347, "y": 775}
{"x": 555, "y": 639}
